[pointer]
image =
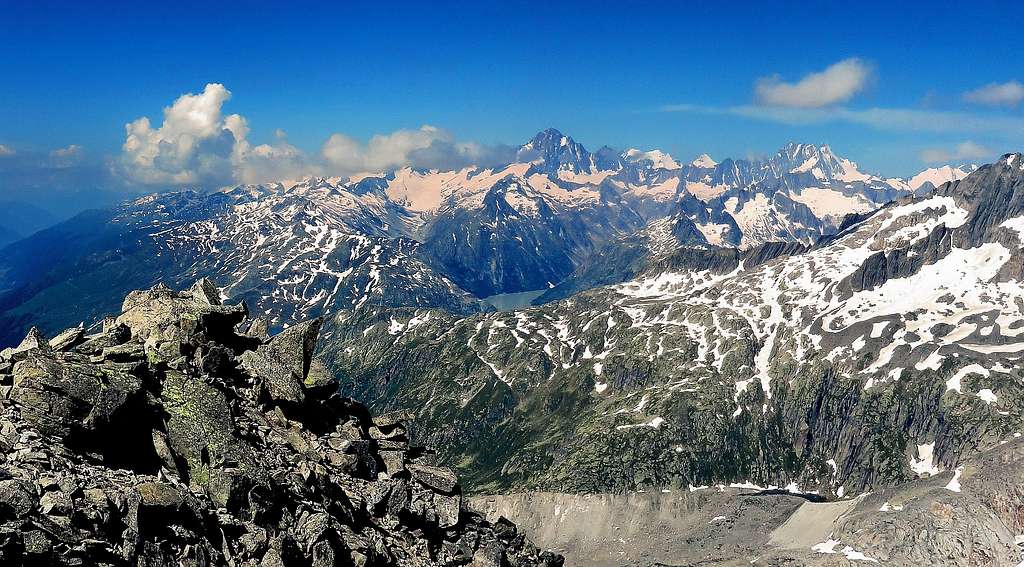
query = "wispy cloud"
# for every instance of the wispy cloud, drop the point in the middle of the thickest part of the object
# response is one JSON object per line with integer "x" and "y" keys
{"x": 70, "y": 151}
{"x": 67, "y": 157}
{"x": 6, "y": 151}
{"x": 963, "y": 151}
{"x": 893, "y": 119}
{"x": 1010, "y": 93}
{"x": 836, "y": 84}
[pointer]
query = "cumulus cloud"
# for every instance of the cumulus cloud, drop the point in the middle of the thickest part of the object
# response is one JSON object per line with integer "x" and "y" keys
{"x": 427, "y": 147}
{"x": 383, "y": 151}
{"x": 1010, "y": 93}
{"x": 274, "y": 162}
{"x": 837, "y": 83}
{"x": 193, "y": 145}
{"x": 964, "y": 151}
{"x": 197, "y": 145}
{"x": 6, "y": 151}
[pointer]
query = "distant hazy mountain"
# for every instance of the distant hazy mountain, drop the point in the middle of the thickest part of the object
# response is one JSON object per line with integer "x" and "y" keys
{"x": 24, "y": 218}
{"x": 7, "y": 236}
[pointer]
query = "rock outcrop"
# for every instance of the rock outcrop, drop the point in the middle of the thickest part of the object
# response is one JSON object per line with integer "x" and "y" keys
{"x": 181, "y": 434}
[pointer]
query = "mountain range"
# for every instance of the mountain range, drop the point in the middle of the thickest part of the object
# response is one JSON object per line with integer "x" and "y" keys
{"x": 783, "y": 333}
{"x": 558, "y": 217}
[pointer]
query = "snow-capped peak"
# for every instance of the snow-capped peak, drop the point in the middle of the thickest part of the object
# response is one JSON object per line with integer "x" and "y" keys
{"x": 848, "y": 171}
{"x": 553, "y": 151}
{"x": 939, "y": 175}
{"x": 821, "y": 162}
{"x": 794, "y": 150}
{"x": 1013, "y": 159}
{"x": 658, "y": 158}
{"x": 704, "y": 160}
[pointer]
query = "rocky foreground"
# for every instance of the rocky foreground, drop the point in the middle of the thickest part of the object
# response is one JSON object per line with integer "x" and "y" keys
{"x": 182, "y": 434}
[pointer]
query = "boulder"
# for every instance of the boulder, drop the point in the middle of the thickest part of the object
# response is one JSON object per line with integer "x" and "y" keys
{"x": 275, "y": 375}
{"x": 167, "y": 323}
{"x": 204, "y": 291}
{"x": 68, "y": 339}
{"x": 393, "y": 418}
{"x": 441, "y": 479}
{"x": 159, "y": 496}
{"x": 17, "y": 498}
{"x": 283, "y": 364}
{"x": 448, "y": 508}
{"x": 58, "y": 396}
{"x": 34, "y": 341}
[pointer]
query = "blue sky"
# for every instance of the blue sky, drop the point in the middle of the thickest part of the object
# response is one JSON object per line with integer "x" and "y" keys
{"x": 678, "y": 76}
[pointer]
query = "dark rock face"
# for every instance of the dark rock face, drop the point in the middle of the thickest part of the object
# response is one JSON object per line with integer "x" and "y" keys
{"x": 672, "y": 243}
{"x": 498, "y": 249}
{"x": 181, "y": 435}
{"x": 554, "y": 150}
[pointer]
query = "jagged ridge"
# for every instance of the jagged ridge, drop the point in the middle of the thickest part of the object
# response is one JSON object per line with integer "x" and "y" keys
{"x": 430, "y": 238}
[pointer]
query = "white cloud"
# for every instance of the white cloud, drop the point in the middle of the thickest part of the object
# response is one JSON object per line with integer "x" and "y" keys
{"x": 838, "y": 83}
{"x": 196, "y": 145}
{"x": 66, "y": 157}
{"x": 964, "y": 151}
{"x": 383, "y": 151}
{"x": 70, "y": 151}
{"x": 1010, "y": 93}
{"x": 193, "y": 145}
{"x": 427, "y": 147}
{"x": 6, "y": 151}
{"x": 275, "y": 162}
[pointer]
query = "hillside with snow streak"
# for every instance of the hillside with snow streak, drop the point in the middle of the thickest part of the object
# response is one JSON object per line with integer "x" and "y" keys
{"x": 886, "y": 352}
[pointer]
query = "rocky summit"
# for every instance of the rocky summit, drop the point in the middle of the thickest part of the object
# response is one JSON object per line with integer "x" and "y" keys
{"x": 180, "y": 433}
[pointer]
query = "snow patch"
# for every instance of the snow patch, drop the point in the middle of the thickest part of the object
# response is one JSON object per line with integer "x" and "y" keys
{"x": 954, "y": 483}
{"x": 987, "y": 396}
{"x": 924, "y": 464}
